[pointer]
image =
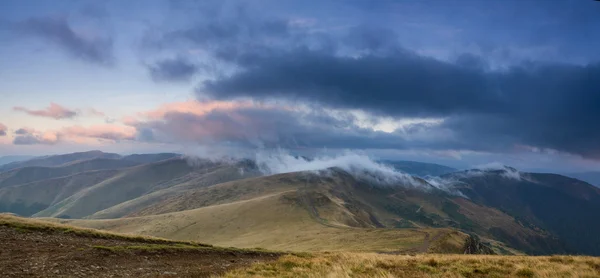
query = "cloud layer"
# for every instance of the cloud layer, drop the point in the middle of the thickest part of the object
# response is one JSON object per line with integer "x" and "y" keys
{"x": 543, "y": 104}
{"x": 58, "y": 31}
{"x": 447, "y": 78}
{"x": 77, "y": 134}
{"x": 54, "y": 111}
{"x": 173, "y": 70}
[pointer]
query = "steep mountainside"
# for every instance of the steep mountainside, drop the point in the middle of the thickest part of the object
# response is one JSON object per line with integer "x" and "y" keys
{"x": 565, "y": 207}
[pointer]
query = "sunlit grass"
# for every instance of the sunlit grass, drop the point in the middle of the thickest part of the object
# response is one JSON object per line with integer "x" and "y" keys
{"x": 427, "y": 265}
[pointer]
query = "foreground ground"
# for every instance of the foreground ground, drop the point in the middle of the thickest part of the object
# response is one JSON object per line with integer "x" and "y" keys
{"x": 35, "y": 249}
{"x": 424, "y": 265}
{"x": 39, "y": 249}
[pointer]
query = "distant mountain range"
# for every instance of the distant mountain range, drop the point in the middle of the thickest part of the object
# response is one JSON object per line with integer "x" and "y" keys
{"x": 235, "y": 204}
{"x": 590, "y": 177}
{"x": 13, "y": 158}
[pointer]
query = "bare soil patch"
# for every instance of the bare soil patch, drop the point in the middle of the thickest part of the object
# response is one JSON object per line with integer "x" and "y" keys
{"x": 38, "y": 253}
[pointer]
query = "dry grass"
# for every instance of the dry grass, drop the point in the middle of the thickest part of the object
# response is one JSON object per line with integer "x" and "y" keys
{"x": 253, "y": 223}
{"x": 28, "y": 224}
{"x": 428, "y": 265}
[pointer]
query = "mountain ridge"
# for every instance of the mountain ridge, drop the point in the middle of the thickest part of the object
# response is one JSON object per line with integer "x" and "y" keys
{"x": 492, "y": 203}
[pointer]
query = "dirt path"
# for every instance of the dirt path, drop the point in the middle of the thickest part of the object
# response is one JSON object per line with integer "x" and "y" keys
{"x": 56, "y": 254}
{"x": 422, "y": 248}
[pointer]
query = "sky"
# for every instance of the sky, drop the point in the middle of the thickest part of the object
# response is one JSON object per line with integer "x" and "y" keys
{"x": 460, "y": 83}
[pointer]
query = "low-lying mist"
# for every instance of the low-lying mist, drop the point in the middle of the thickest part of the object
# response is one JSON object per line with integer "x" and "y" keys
{"x": 359, "y": 165}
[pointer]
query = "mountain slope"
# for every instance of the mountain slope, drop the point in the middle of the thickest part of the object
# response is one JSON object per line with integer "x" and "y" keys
{"x": 28, "y": 199}
{"x": 565, "y": 207}
{"x": 592, "y": 178}
{"x": 269, "y": 221}
{"x": 58, "y": 160}
{"x": 40, "y": 249}
{"x": 37, "y": 173}
{"x": 324, "y": 211}
{"x": 140, "y": 181}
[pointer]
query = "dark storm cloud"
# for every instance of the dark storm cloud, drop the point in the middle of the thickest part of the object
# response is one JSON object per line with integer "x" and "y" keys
{"x": 174, "y": 70}
{"x": 267, "y": 127}
{"x": 397, "y": 84}
{"x": 58, "y": 30}
{"x": 546, "y": 105}
{"x": 501, "y": 92}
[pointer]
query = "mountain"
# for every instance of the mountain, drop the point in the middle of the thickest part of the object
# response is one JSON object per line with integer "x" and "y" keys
{"x": 235, "y": 204}
{"x": 57, "y": 160}
{"x": 14, "y": 158}
{"x": 564, "y": 207}
{"x": 37, "y": 173}
{"x": 590, "y": 177}
{"x": 420, "y": 169}
{"x": 295, "y": 211}
{"x": 338, "y": 206}
{"x": 50, "y": 190}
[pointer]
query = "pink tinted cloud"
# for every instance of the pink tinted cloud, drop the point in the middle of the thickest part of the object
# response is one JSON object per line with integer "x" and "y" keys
{"x": 54, "y": 111}
{"x": 77, "y": 134}
{"x": 195, "y": 107}
{"x": 105, "y": 132}
{"x": 3, "y": 129}
{"x": 30, "y": 136}
{"x": 244, "y": 122}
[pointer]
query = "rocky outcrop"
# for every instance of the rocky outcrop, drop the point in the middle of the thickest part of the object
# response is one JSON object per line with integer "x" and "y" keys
{"x": 473, "y": 245}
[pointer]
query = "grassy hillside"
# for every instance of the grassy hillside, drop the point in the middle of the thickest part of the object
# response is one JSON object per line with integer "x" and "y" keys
{"x": 202, "y": 197}
{"x": 296, "y": 211}
{"x": 304, "y": 211}
{"x": 126, "y": 185}
{"x": 429, "y": 265}
{"x": 30, "y": 198}
{"x": 92, "y": 186}
{"x": 193, "y": 191}
{"x": 565, "y": 208}
{"x": 31, "y": 174}
{"x": 41, "y": 249}
{"x": 272, "y": 222}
